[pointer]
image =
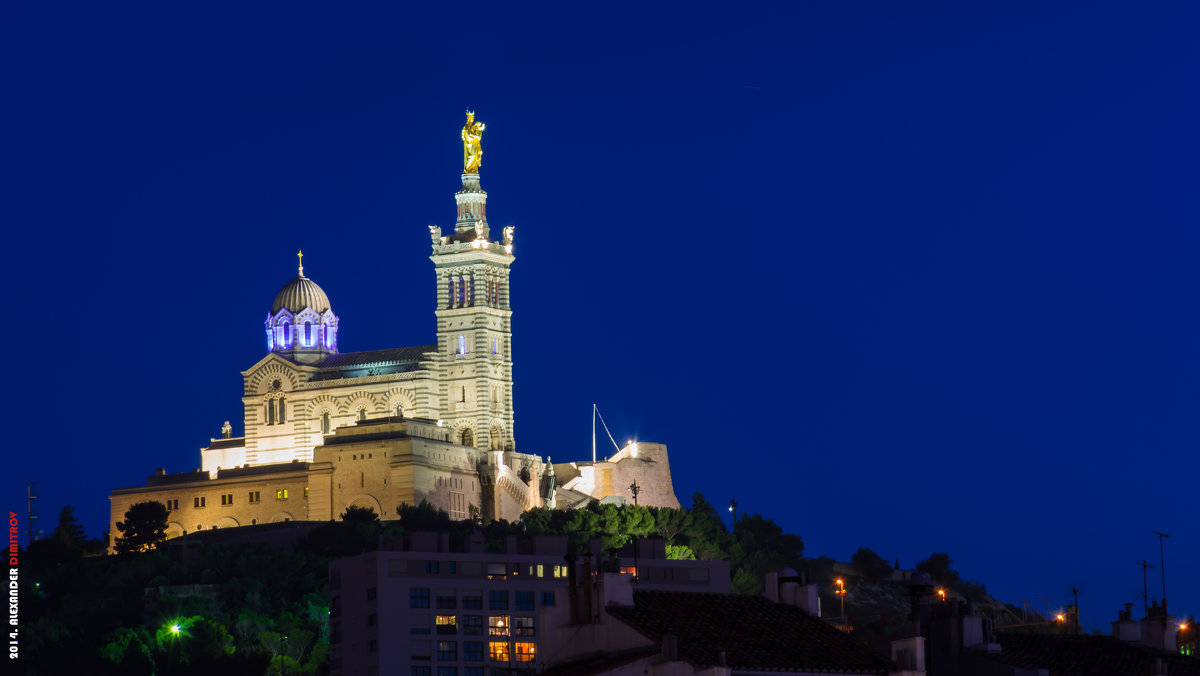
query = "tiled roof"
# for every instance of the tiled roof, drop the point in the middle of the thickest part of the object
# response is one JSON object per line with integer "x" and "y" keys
{"x": 600, "y": 664}
{"x": 754, "y": 633}
{"x": 388, "y": 356}
{"x": 1080, "y": 655}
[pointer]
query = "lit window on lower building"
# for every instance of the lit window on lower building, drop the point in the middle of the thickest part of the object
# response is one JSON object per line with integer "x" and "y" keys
{"x": 629, "y": 570}
{"x": 498, "y": 625}
{"x": 446, "y": 624}
{"x": 526, "y": 651}
{"x": 498, "y": 651}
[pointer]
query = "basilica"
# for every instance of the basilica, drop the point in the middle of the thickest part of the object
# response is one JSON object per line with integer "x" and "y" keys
{"x": 326, "y": 430}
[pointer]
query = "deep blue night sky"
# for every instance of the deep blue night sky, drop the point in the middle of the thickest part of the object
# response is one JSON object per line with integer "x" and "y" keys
{"x": 919, "y": 279}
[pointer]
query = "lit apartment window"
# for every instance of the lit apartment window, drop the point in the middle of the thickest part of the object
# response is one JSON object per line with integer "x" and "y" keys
{"x": 498, "y": 651}
{"x": 498, "y": 625}
{"x": 526, "y": 651}
{"x": 560, "y": 571}
{"x": 418, "y": 598}
{"x": 281, "y": 494}
{"x": 523, "y": 626}
{"x": 497, "y": 571}
{"x": 446, "y": 624}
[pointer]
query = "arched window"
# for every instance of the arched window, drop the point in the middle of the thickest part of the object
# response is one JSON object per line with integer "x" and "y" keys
{"x": 471, "y": 294}
{"x": 462, "y": 291}
{"x": 497, "y": 438}
{"x": 362, "y": 414}
{"x": 270, "y": 412}
{"x": 399, "y": 411}
{"x": 466, "y": 438}
{"x": 286, "y": 338}
{"x": 282, "y": 408}
{"x": 307, "y": 334}
{"x": 462, "y": 344}
{"x": 325, "y": 422}
{"x": 495, "y": 345}
{"x": 450, "y": 293}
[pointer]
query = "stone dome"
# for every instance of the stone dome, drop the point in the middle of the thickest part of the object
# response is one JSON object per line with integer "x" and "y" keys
{"x": 300, "y": 293}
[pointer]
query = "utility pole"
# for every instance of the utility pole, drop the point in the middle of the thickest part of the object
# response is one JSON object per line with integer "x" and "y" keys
{"x": 1162, "y": 567}
{"x": 1075, "y": 592}
{"x": 33, "y": 530}
{"x": 1145, "y": 587}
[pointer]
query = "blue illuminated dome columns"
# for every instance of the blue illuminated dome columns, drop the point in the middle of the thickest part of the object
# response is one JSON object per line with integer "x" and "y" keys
{"x": 301, "y": 324}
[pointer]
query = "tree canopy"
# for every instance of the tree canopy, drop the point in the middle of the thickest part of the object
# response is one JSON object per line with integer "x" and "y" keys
{"x": 144, "y": 527}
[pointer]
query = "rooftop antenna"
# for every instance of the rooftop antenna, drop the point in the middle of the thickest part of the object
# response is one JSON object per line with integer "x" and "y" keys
{"x": 1162, "y": 566}
{"x": 1075, "y": 590}
{"x": 1145, "y": 586}
{"x": 33, "y": 531}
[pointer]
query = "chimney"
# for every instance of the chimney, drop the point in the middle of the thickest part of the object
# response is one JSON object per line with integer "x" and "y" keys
{"x": 1159, "y": 629}
{"x": 1125, "y": 628}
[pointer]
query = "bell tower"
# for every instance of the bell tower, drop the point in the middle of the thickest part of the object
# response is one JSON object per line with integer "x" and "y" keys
{"x": 474, "y": 315}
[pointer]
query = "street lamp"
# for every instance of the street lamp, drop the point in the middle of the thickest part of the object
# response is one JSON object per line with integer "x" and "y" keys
{"x": 841, "y": 592}
{"x": 733, "y": 508}
{"x": 282, "y": 666}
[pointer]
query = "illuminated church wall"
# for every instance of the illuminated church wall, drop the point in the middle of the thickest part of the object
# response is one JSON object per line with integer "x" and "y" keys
{"x": 325, "y": 429}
